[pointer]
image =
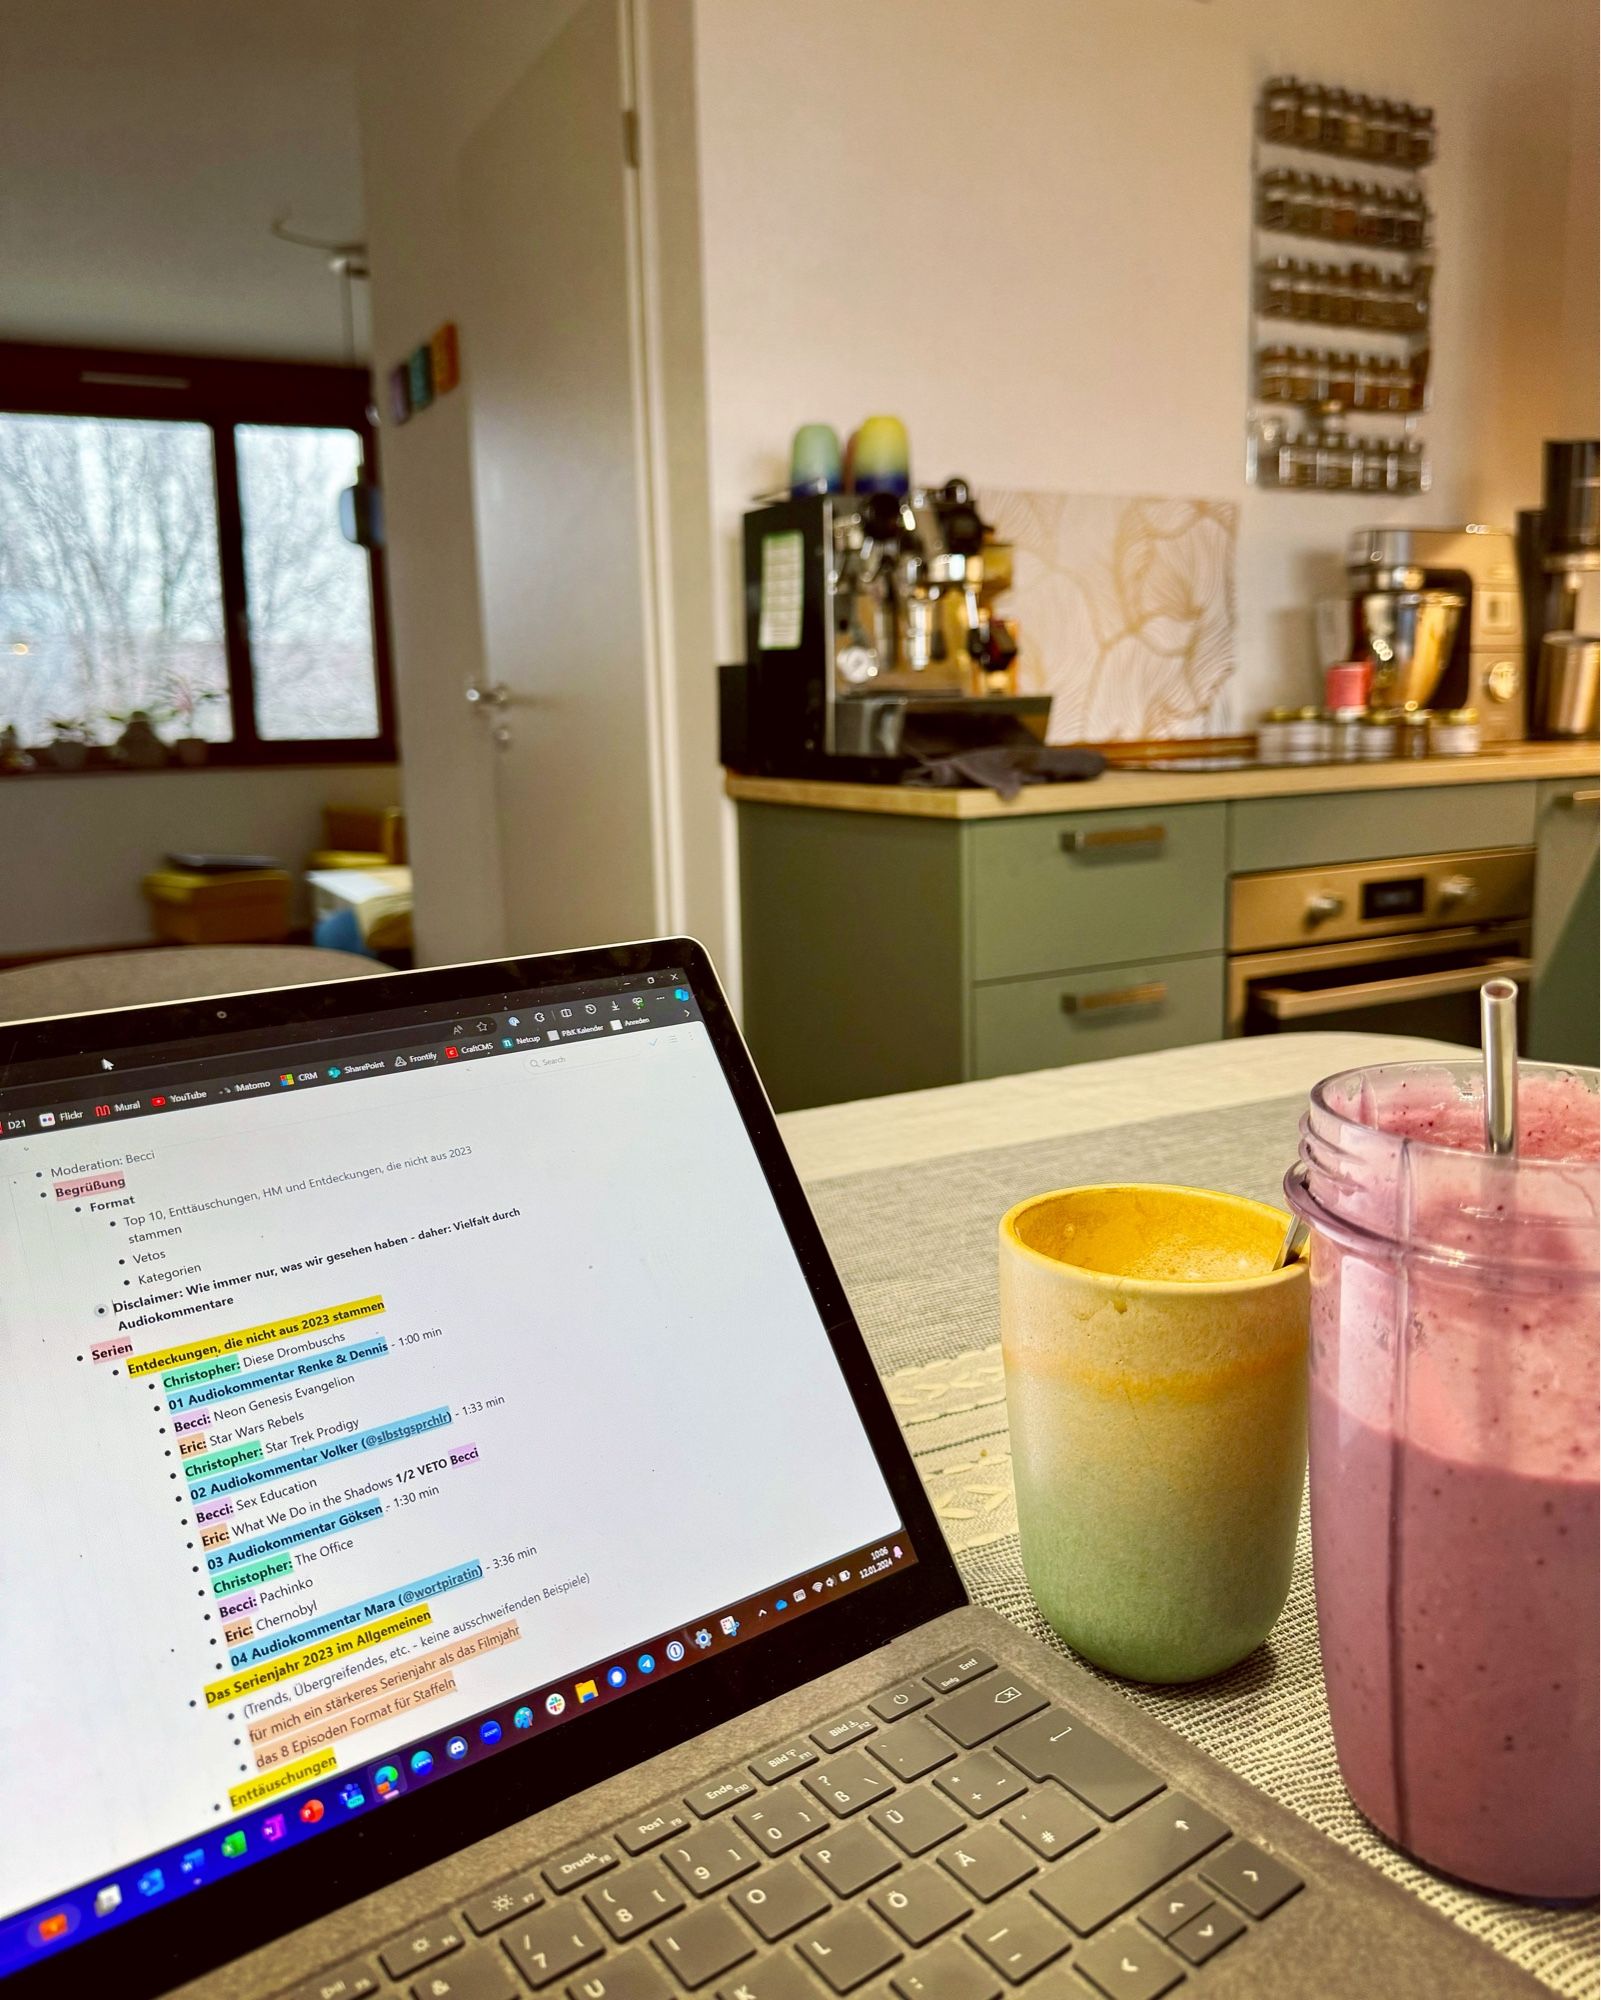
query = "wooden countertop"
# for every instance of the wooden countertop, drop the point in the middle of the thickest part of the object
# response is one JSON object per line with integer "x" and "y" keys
{"x": 1137, "y": 789}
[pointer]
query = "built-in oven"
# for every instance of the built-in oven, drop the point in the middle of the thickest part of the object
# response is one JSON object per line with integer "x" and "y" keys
{"x": 1397, "y": 947}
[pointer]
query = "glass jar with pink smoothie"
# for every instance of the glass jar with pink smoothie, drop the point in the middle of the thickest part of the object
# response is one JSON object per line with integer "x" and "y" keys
{"x": 1454, "y": 1456}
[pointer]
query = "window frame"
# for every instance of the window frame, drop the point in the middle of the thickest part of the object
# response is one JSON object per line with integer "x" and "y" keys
{"x": 220, "y": 392}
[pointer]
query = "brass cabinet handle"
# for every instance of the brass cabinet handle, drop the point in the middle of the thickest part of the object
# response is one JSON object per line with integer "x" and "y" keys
{"x": 1592, "y": 797}
{"x": 1151, "y": 994}
{"x": 1081, "y": 842}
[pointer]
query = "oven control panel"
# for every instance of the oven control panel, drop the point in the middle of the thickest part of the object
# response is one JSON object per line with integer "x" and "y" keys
{"x": 1284, "y": 907}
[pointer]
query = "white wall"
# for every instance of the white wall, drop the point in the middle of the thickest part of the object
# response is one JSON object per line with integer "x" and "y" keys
{"x": 1025, "y": 227}
{"x": 76, "y": 847}
{"x": 145, "y": 147}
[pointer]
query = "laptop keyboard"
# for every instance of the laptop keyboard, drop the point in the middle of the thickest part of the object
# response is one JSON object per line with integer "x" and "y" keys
{"x": 958, "y": 1836}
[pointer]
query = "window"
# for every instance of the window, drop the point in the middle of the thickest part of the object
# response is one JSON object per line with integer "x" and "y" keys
{"x": 170, "y": 543}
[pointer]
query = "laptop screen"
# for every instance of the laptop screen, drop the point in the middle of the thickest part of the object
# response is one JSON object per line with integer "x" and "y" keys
{"x": 379, "y": 1399}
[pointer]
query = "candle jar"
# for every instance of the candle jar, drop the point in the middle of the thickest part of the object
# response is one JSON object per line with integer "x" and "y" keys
{"x": 1454, "y": 1454}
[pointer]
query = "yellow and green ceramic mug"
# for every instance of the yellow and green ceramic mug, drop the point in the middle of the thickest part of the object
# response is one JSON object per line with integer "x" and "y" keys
{"x": 1156, "y": 1388}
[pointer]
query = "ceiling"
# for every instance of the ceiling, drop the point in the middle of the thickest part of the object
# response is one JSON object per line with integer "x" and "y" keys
{"x": 146, "y": 146}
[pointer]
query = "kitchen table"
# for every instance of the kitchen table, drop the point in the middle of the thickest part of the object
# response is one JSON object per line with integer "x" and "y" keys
{"x": 908, "y": 1191}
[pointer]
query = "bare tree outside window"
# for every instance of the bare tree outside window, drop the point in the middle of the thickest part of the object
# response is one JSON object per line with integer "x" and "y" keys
{"x": 110, "y": 595}
{"x": 306, "y": 586}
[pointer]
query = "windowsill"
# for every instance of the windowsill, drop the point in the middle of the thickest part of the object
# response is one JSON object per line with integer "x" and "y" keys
{"x": 222, "y": 757}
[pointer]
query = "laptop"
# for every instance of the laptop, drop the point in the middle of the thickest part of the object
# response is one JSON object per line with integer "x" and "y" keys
{"x": 456, "y": 1545}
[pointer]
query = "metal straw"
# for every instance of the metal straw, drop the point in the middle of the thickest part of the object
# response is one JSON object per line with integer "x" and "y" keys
{"x": 1296, "y": 1236}
{"x": 1498, "y": 1024}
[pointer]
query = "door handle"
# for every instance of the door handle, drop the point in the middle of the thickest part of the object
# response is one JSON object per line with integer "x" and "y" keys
{"x": 1082, "y": 841}
{"x": 1296, "y": 1003}
{"x": 1591, "y": 797}
{"x": 488, "y": 694}
{"x": 1151, "y": 994}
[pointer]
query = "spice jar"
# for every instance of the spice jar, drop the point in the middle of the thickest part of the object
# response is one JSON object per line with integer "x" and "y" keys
{"x": 1412, "y": 732}
{"x": 1345, "y": 727}
{"x": 1306, "y": 737}
{"x": 1356, "y": 124}
{"x": 1377, "y": 738}
{"x": 1342, "y": 379}
{"x": 1281, "y": 100}
{"x": 1273, "y": 374}
{"x": 1309, "y": 115}
{"x": 1422, "y": 136}
{"x": 1273, "y": 198}
{"x": 1274, "y": 293}
{"x": 1455, "y": 732}
{"x": 1272, "y": 735}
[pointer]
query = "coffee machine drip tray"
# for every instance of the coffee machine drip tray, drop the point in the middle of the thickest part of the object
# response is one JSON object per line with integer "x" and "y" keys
{"x": 899, "y": 725}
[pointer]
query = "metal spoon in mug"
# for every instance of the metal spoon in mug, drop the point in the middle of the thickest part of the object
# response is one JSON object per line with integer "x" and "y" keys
{"x": 1299, "y": 1231}
{"x": 1498, "y": 1026}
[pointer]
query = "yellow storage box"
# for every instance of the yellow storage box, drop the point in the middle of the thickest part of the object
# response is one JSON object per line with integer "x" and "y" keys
{"x": 249, "y": 906}
{"x": 366, "y": 829}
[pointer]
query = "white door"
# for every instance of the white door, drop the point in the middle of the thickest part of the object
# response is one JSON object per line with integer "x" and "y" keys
{"x": 550, "y": 343}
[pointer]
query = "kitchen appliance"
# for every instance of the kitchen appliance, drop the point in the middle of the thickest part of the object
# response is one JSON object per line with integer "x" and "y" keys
{"x": 1437, "y": 611}
{"x": 864, "y": 612}
{"x": 1397, "y": 947}
{"x": 1559, "y": 565}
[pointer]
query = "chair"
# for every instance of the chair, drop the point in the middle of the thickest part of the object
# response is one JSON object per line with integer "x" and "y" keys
{"x": 98, "y": 980}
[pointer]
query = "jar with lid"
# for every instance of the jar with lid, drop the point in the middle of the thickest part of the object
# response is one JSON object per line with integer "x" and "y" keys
{"x": 1381, "y": 128}
{"x": 1309, "y": 115}
{"x": 1356, "y": 124}
{"x": 1273, "y": 374}
{"x": 1306, "y": 737}
{"x": 1370, "y": 214}
{"x": 1304, "y": 290}
{"x": 1274, "y": 290}
{"x": 1345, "y": 734}
{"x": 1344, "y": 210}
{"x": 1455, "y": 732}
{"x": 1342, "y": 380}
{"x": 1372, "y": 472}
{"x": 1412, "y": 732}
{"x": 1272, "y": 735}
{"x": 1376, "y": 739}
{"x": 1339, "y": 296}
{"x": 1302, "y": 197}
{"x": 1281, "y": 102}
{"x": 1398, "y": 150}
{"x": 1412, "y": 473}
{"x": 1273, "y": 197}
{"x": 1301, "y": 453}
{"x": 1421, "y": 135}
{"x": 1412, "y": 222}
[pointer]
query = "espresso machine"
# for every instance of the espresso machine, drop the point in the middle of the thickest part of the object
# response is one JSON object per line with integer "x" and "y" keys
{"x": 871, "y": 629}
{"x": 1559, "y": 556}
{"x": 1437, "y": 612}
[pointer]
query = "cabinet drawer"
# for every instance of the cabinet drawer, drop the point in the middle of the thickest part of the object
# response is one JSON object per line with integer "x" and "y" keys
{"x": 1370, "y": 826}
{"x": 1121, "y": 1010}
{"x": 1098, "y": 888}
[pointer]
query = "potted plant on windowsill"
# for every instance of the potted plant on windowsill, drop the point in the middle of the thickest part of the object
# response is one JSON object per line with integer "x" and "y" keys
{"x": 186, "y": 700}
{"x": 138, "y": 747}
{"x": 68, "y": 748}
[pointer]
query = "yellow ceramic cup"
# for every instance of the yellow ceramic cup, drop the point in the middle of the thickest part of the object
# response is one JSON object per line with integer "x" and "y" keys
{"x": 1156, "y": 1387}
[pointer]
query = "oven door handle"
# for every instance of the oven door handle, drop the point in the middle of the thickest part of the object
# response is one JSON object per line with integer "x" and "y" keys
{"x": 1294, "y": 1003}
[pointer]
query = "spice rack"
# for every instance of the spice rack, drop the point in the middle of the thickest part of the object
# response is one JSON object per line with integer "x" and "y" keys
{"x": 1303, "y": 396}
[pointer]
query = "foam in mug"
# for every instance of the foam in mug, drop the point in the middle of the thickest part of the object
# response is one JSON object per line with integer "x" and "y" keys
{"x": 1454, "y": 1453}
{"x": 1156, "y": 1392}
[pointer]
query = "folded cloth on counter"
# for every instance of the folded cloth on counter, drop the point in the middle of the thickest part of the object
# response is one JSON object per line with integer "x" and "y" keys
{"x": 995, "y": 752}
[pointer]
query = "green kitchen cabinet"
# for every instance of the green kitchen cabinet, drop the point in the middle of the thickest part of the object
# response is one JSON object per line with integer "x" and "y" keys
{"x": 1566, "y": 1005}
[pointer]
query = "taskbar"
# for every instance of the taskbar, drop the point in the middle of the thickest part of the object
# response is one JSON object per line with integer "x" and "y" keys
{"x": 301, "y": 1810}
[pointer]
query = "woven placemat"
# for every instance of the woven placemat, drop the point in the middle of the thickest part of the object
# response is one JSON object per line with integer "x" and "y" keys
{"x": 916, "y": 1248}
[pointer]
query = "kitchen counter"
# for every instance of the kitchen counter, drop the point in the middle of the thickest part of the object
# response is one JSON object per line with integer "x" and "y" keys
{"x": 1139, "y": 789}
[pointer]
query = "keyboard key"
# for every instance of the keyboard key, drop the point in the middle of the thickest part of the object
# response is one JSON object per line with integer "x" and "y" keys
{"x": 634, "y": 1899}
{"x": 1017, "y": 1938}
{"x": 898, "y": 1701}
{"x": 917, "y": 1821}
{"x": 948, "y": 1972}
{"x": 848, "y": 1782}
{"x": 921, "y": 1903}
{"x": 420, "y": 1947}
{"x": 778, "y": 1977}
{"x": 987, "y": 1862}
{"x": 1203, "y": 1937}
{"x": 848, "y": 1949}
{"x": 546, "y": 1947}
{"x": 580, "y": 1864}
{"x": 342, "y": 1982}
{"x": 1049, "y": 1821}
{"x": 1251, "y": 1878}
{"x": 1126, "y": 1862}
{"x": 703, "y": 1945}
{"x": 1127, "y": 1965}
{"x": 851, "y": 1858}
{"x": 502, "y": 1901}
{"x": 476, "y": 1975}
{"x": 625, "y": 1975}
{"x": 844, "y": 1729}
{"x": 707, "y": 1800}
{"x": 981, "y": 1783}
{"x": 650, "y": 1830}
{"x": 710, "y": 1859}
{"x": 977, "y": 1713}
{"x": 772, "y": 1765}
{"x": 911, "y": 1749}
{"x": 1053, "y": 1745}
{"x": 1170, "y": 1909}
{"x": 780, "y": 1820}
{"x": 958, "y": 1672}
{"x": 780, "y": 1899}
